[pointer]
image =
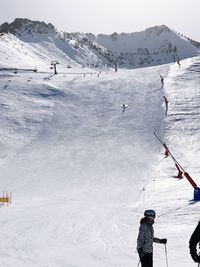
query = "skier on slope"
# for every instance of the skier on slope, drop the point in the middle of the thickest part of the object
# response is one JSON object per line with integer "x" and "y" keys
{"x": 178, "y": 61}
{"x": 166, "y": 102}
{"x": 194, "y": 240}
{"x": 123, "y": 108}
{"x": 166, "y": 150}
{"x": 146, "y": 238}
{"x": 162, "y": 80}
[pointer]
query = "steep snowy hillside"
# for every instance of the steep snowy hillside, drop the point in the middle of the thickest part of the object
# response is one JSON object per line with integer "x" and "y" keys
{"x": 32, "y": 42}
{"x": 82, "y": 169}
{"x": 70, "y": 157}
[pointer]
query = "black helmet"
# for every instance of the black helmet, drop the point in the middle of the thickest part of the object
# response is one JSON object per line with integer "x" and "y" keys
{"x": 150, "y": 213}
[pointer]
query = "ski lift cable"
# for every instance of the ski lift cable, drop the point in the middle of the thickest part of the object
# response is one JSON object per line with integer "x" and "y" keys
{"x": 192, "y": 182}
{"x": 164, "y": 144}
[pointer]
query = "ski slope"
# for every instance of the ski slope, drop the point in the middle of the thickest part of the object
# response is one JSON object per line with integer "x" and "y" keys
{"x": 82, "y": 171}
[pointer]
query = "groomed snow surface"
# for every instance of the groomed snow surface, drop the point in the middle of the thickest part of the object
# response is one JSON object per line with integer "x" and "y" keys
{"x": 82, "y": 171}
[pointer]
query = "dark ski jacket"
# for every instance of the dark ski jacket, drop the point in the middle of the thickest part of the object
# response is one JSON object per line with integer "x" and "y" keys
{"x": 194, "y": 240}
{"x": 146, "y": 236}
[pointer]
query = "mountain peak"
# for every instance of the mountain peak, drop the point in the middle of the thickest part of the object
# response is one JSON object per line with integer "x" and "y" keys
{"x": 158, "y": 29}
{"x": 25, "y": 26}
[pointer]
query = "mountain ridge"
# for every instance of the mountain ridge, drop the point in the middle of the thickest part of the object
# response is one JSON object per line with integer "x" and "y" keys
{"x": 153, "y": 46}
{"x": 25, "y": 26}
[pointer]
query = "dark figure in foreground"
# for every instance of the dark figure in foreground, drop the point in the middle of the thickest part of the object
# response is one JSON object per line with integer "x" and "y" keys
{"x": 146, "y": 238}
{"x": 194, "y": 241}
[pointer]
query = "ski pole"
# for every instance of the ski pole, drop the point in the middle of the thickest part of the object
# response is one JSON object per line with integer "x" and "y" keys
{"x": 138, "y": 263}
{"x": 166, "y": 255}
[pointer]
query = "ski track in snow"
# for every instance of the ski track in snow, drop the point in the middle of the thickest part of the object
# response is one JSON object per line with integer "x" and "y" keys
{"x": 82, "y": 171}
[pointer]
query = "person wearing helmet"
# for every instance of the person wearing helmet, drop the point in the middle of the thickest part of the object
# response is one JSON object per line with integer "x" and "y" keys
{"x": 146, "y": 238}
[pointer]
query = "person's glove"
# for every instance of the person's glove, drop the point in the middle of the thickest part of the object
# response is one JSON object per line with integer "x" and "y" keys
{"x": 139, "y": 250}
{"x": 194, "y": 256}
{"x": 163, "y": 241}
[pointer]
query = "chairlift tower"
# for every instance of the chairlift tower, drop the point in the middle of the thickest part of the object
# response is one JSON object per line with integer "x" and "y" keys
{"x": 53, "y": 66}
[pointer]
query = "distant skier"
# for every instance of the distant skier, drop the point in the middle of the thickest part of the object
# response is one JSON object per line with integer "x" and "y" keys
{"x": 115, "y": 66}
{"x": 166, "y": 102}
{"x": 178, "y": 61}
{"x": 124, "y": 108}
{"x": 166, "y": 105}
{"x": 146, "y": 238}
{"x": 194, "y": 241}
{"x": 166, "y": 150}
{"x": 162, "y": 81}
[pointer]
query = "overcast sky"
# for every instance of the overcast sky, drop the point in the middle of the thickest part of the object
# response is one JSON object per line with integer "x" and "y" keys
{"x": 108, "y": 16}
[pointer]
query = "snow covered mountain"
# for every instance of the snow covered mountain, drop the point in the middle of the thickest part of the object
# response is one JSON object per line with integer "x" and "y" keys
{"x": 81, "y": 169}
{"x": 37, "y": 42}
{"x": 33, "y": 43}
{"x": 154, "y": 46}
